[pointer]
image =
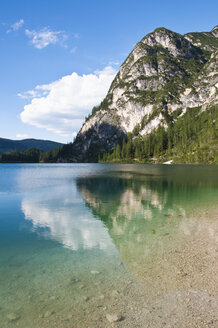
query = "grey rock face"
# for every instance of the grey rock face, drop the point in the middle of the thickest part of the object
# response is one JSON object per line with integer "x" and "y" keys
{"x": 165, "y": 71}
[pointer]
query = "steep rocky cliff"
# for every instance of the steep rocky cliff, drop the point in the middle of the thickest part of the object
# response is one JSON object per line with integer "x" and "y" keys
{"x": 165, "y": 72}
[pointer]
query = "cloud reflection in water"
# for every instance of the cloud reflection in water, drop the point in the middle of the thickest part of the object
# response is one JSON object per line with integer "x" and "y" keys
{"x": 62, "y": 215}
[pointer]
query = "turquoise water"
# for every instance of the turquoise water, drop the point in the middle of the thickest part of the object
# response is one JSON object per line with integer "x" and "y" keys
{"x": 79, "y": 241}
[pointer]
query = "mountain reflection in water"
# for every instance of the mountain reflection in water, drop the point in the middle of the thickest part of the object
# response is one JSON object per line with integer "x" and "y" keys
{"x": 148, "y": 216}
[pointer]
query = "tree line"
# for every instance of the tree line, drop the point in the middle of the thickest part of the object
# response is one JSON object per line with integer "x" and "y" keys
{"x": 34, "y": 155}
{"x": 190, "y": 138}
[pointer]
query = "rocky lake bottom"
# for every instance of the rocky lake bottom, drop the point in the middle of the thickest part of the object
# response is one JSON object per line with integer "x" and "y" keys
{"x": 98, "y": 245}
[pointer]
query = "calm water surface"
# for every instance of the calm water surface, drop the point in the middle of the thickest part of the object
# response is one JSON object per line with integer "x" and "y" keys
{"x": 80, "y": 241}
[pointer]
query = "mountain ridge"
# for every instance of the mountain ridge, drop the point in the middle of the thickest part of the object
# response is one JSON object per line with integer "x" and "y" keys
{"x": 9, "y": 145}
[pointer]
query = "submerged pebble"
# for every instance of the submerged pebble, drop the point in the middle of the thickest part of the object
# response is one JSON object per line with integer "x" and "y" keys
{"x": 12, "y": 316}
{"x": 52, "y": 298}
{"x": 95, "y": 272}
{"x": 86, "y": 298}
{"x": 48, "y": 314}
{"x": 114, "y": 317}
{"x": 101, "y": 297}
{"x": 70, "y": 316}
{"x": 115, "y": 292}
{"x": 74, "y": 280}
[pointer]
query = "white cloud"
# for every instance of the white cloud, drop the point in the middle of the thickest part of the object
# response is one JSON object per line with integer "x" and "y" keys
{"x": 31, "y": 94}
{"x": 21, "y": 136}
{"x": 114, "y": 63}
{"x": 44, "y": 37}
{"x": 64, "y": 104}
{"x": 16, "y": 26}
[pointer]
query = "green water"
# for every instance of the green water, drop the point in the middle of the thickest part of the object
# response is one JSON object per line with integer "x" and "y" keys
{"x": 80, "y": 241}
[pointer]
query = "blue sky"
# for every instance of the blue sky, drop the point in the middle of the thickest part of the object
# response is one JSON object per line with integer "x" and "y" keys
{"x": 58, "y": 58}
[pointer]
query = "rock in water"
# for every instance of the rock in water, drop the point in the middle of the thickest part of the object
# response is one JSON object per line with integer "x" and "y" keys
{"x": 48, "y": 314}
{"x": 95, "y": 272}
{"x": 101, "y": 297}
{"x": 86, "y": 298}
{"x": 12, "y": 316}
{"x": 114, "y": 317}
{"x": 115, "y": 292}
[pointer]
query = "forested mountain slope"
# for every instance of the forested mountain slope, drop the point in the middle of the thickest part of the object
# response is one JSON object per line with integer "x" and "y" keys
{"x": 164, "y": 77}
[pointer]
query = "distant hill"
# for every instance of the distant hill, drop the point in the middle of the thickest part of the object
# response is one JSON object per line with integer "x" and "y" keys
{"x": 8, "y": 145}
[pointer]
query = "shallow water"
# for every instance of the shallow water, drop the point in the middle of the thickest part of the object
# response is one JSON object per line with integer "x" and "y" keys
{"x": 81, "y": 241}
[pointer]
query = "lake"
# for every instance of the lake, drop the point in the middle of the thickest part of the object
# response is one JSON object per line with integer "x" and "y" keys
{"x": 108, "y": 245}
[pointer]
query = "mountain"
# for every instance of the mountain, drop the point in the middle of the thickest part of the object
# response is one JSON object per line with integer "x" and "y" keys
{"x": 165, "y": 76}
{"x": 8, "y": 145}
{"x": 169, "y": 80}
